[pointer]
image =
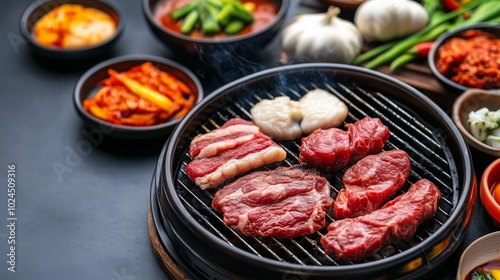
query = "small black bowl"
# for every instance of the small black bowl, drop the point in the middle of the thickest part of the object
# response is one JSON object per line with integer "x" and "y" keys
{"x": 90, "y": 82}
{"x": 493, "y": 29}
{"x": 246, "y": 44}
{"x": 39, "y": 8}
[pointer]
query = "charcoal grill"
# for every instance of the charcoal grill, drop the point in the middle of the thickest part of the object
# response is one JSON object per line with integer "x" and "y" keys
{"x": 201, "y": 246}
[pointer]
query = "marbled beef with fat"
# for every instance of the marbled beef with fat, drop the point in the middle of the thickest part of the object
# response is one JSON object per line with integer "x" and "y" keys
{"x": 357, "y": 238}
{"x": 370, "y": 182}
{"x": 284, "y": 203}
{"x": 236, "y": 147}
{"x": 233, "y": 133}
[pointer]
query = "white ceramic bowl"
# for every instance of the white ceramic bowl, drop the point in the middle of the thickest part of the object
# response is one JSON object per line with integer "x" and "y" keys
{"x": 481, "y": 251}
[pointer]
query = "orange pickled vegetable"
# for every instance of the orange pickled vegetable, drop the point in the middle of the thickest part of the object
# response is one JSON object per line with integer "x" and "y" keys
{"x": 472, "y": 60}
{"x": 140, "y": 97}
{"x": 496, "y": 193}
{"x": 73, "y": 26}
{"x": 152, "y": 95}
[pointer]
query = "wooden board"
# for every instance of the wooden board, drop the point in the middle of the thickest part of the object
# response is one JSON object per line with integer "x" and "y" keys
{"x": 420, "y": 77}
{"x": 160, "y": 252}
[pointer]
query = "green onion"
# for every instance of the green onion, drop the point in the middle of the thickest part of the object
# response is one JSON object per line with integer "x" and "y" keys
{"x": 208, "y": 23}
{"x": 182, "y": 11}
{"x": 190, "y": 22}
{"x": 404, "y": 45}
{"x": 402, "y": 60}
{"x": 240, "y": 12}
{"x": 234, "y": 26}
{"x": 224, "y": 15}
{"x": 373, "y": 52}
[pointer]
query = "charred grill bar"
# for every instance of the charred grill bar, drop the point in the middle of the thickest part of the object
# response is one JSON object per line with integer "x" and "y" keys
{"x": 204, "y": 247}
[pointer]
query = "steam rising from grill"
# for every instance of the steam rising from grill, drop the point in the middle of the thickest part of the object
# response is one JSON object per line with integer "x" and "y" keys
{"x": 436, "y": 150}
{"x": 228, "y": 64}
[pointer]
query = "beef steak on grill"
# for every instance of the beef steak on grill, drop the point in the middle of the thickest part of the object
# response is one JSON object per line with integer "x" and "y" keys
{"x": 367, "y": 136}
{"x": 326, "y": 148}
{"x": 332, "y": 149}
{"x": 283, "y": 203}
{"x": 357, "y": 238}
{"x": 371, "y": 182}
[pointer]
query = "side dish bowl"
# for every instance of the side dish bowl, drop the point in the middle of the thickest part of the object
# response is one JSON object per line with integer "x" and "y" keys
{"x": 345, "y": 4}
{"x": 90, "y": 82}
{"x": 243, "y": 44}
{"x": 433, "y": 56}
{"x": 38, "y": 9}
{"x": 484, "y": 249}
{"x": 489, "y": 180}
{"x": 473, "y": 100}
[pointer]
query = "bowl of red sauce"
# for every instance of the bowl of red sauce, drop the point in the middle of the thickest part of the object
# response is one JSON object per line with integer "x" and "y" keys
{"x": 468, "y": 57}
{"x": 136, "y": 97}
{"x": 481, "y": 259}
{"x": 72, "y": 29}
{"x": 186, "y": 26}
{"x": 490, "y": 192}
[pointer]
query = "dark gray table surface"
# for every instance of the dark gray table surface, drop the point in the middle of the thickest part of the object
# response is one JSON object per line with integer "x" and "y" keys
{"x": 81, "y": 203}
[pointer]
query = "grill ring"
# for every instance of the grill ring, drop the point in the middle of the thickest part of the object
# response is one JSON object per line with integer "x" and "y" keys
{"x": 441, "y": 155}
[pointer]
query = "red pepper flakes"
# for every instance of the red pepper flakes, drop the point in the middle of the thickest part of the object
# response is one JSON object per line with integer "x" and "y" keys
{"x": 472, "y": 60}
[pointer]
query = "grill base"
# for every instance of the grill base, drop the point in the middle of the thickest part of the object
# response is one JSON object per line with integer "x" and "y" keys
{"x": 175, "y": 264}
{"x": 159, "y": 248}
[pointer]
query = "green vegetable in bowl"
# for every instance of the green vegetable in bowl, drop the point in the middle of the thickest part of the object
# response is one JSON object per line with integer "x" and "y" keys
{"x": 481, "y": 274}
{"x": 231, "y": 16}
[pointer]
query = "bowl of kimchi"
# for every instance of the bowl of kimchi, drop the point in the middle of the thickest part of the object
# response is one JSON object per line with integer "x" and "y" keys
{"x": 468, "y": 57}
{"x": 136, "y": 96}
{"x": 72, "y": 29}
